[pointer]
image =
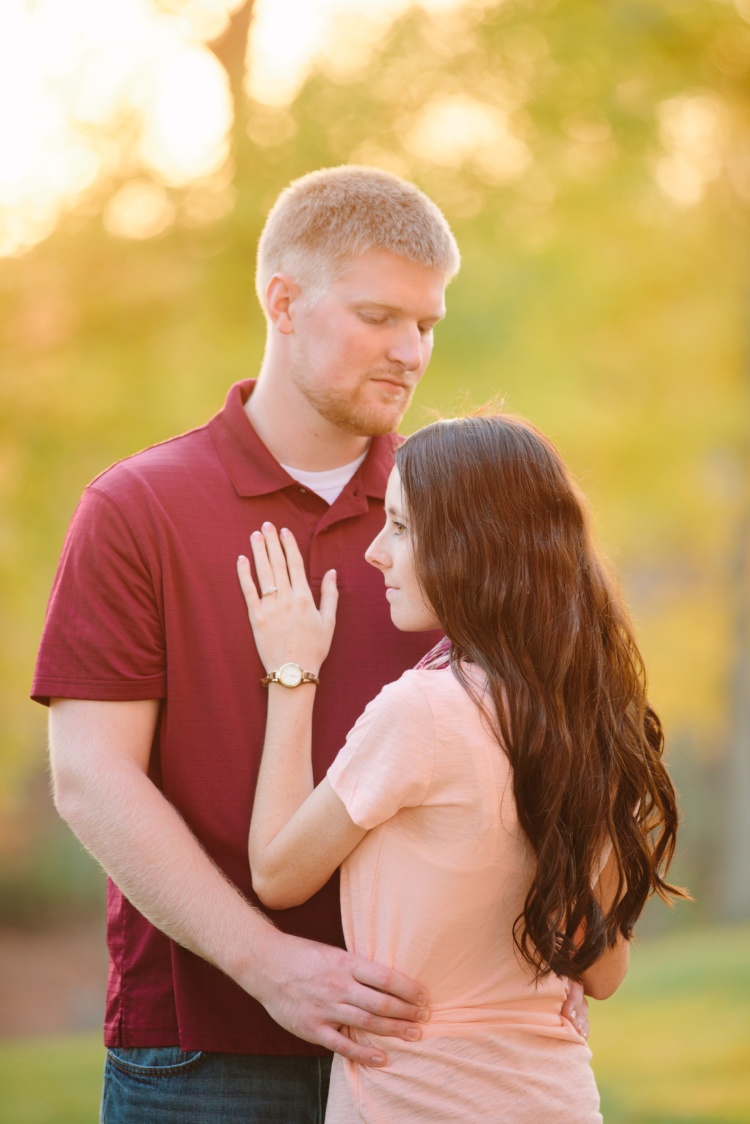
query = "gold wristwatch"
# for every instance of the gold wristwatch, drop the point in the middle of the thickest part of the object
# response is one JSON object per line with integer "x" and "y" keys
{"x": 290, "y": 675}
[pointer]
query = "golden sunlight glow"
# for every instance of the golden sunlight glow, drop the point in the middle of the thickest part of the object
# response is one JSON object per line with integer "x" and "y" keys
{"x": 122, "y": 100}
{"x": 692, "y": 133}
{"x": 288, "y": 34}
{"x": 103, "y": 90}
{"x": 454, "y": 129}
{"x": 126, "y": 90}
{"x": 139, "y": 209}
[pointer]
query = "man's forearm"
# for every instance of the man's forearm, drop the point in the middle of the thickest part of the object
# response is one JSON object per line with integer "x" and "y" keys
{"x": 150, "y": 853}
{"x": 99, "y": 755}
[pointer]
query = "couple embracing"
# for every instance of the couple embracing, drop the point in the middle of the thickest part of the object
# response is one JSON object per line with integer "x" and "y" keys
{"x": 486, "y": 775}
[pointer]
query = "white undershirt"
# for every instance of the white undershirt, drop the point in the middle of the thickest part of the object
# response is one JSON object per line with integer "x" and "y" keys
{"x": 329, "y": 484}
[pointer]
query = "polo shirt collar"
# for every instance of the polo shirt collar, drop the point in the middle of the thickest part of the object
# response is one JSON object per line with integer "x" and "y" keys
{"x": 255, "y": 472}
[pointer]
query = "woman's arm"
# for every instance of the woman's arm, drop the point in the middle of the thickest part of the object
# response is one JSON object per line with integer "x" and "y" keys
{"x": 298, "y": 835}
{"x": 604, "y": 977}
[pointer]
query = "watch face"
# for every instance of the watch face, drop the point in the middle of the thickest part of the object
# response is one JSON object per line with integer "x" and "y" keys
{"x": 290, "y": 675}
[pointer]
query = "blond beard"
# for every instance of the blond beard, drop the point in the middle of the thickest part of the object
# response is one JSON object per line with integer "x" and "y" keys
{"x": 348, "y": 414}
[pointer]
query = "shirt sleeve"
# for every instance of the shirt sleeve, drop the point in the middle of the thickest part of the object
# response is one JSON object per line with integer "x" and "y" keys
{"x": 389, "y": 757}
{"x": 103, "y": 637}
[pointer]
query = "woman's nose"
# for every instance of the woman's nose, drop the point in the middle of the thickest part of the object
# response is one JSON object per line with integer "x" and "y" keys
{"x": 374, "y": 555}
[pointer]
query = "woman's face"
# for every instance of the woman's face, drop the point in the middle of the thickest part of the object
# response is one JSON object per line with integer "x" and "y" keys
{"x": 392, "y": 552}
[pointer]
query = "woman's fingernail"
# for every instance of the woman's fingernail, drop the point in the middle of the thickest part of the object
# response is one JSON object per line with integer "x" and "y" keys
{"x": 421, "y": 1000}
{"x": 267, "y": 526}
{"x": 256, "y": 535}
{"x": 378, "y": 1059}
{"x": 413, "y": 1034}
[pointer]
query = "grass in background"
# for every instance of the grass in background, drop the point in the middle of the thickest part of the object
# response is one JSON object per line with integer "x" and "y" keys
{"x": 671, "y": 1047}
{"x": 51, "y": 1080}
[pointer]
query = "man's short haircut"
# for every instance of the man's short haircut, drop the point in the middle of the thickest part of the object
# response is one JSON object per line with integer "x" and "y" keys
{"x": 325, "y": 219}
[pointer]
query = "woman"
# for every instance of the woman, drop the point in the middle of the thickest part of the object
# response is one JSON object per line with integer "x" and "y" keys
{"x": 501, "y": 814}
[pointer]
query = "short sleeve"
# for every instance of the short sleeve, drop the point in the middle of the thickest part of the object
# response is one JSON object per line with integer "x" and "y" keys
{"x": 388, "y": 760}
{"x": 103, "y": 637}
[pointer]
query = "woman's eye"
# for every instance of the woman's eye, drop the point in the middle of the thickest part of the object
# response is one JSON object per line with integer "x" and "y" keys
{"x": 398, "y": 528}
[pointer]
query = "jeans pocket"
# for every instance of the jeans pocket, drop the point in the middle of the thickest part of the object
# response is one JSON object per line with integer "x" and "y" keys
{"x": 155, "y": 1061}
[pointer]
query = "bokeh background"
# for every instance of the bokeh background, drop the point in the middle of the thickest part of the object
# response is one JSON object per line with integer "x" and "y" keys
{"x": 594, "y": 161}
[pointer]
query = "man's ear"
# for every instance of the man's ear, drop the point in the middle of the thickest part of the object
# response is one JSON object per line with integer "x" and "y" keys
{"x": 281, "y": 295}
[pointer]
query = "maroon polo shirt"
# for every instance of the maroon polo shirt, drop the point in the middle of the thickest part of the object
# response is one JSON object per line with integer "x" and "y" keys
{"x": 146, "y": 605}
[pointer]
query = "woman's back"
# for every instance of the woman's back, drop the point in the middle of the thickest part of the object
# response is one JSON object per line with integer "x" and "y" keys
{"x": 434, "y": 889}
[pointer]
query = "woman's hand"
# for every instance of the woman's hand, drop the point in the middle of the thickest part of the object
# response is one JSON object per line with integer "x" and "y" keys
{"x": 287, "y": 625}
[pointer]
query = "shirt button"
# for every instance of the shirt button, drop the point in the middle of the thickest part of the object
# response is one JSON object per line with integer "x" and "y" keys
{"x": 303, "y": 490}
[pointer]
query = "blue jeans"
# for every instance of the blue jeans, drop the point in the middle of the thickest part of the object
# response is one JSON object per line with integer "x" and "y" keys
{"x": 163, "y": 1085}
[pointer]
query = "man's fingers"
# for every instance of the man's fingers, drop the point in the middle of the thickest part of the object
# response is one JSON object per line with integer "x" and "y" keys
{"x": 378, "y": 1010}
{"x": 394, "y": 984}
{"x": 348, "y": 1048}
{"x": 359, "y": 1019}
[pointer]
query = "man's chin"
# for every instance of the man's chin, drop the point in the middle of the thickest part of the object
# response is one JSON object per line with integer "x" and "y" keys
{"x": 370, "y": 423}
{"x": 378, "y": 427}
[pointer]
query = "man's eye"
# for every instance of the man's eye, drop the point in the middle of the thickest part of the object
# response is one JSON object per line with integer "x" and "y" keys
{"x": 370, "y": 319}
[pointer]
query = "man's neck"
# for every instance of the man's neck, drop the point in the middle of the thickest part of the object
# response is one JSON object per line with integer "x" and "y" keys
{"x": 294, "y": 432}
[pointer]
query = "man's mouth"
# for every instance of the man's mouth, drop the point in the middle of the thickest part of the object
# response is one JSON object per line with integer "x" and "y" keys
{"x": 397, "y": 384}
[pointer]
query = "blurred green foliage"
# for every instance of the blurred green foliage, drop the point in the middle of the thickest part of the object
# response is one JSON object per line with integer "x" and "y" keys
{"x": 600, "y": 196}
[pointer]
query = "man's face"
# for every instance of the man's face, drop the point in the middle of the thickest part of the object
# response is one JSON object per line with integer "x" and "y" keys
{"x": 359, "y": 351}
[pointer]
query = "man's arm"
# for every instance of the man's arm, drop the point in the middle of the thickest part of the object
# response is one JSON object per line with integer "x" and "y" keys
{"x": 99, "y": 756}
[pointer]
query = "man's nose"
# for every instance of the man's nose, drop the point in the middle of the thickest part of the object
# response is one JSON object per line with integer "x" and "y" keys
{"x": 407, "y": 348}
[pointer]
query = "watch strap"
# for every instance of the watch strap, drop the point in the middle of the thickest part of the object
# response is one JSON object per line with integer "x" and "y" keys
{"x": 274, "y": 677}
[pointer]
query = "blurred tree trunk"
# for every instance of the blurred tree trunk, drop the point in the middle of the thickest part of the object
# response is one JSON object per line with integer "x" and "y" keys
{"x": 231, "y": 51}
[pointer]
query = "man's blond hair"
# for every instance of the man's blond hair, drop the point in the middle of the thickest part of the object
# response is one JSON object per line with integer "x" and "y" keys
{"x": 327, "y": 218}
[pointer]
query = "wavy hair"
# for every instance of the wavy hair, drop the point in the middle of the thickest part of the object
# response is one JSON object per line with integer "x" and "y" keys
{"x": 504, "y": 555}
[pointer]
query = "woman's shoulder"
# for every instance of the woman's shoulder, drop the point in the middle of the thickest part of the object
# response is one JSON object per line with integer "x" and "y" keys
{"x": 456, "y": 687}
{"x": 417, "y": 692}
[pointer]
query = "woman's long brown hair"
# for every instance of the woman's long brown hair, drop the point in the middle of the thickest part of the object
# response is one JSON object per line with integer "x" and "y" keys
{"x": 504, "y": 555}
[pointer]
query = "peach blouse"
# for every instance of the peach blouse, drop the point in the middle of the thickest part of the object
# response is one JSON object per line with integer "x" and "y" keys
{"x": 433, "y": 890}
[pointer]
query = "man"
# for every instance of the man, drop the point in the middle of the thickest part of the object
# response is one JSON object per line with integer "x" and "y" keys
{"x": 157, "y": 709}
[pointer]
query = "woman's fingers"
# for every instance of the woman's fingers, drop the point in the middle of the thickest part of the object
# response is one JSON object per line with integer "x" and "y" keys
{"x": 276, "y": 556}
{"x": 280, "y": 571}
{"x": 329, "y": 599}
{"x": 270, "y": 565}
{"x": 294, "y": 560}
{"x": 246, "y": 583}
